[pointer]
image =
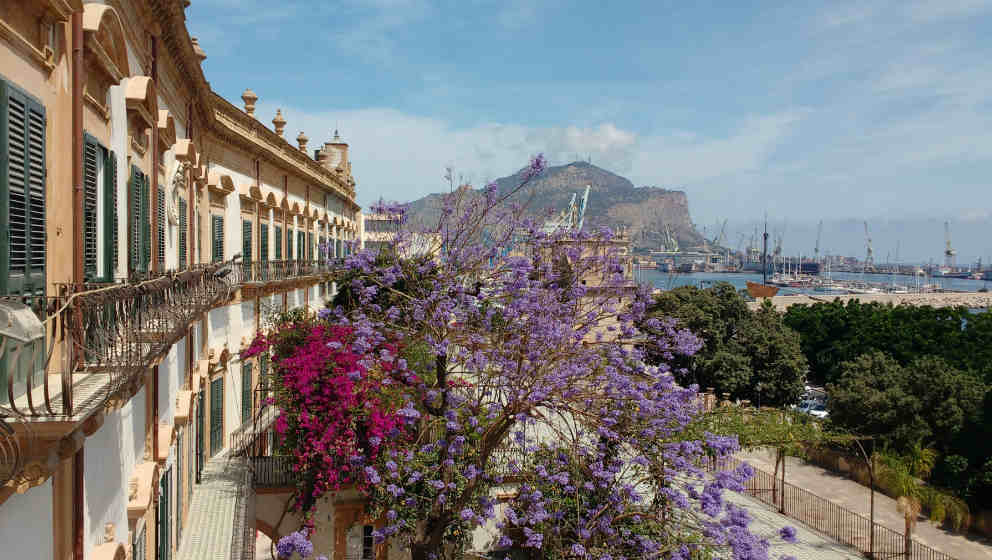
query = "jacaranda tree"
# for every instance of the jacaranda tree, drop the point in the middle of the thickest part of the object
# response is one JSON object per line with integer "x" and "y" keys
{"x": 516, "y": 369}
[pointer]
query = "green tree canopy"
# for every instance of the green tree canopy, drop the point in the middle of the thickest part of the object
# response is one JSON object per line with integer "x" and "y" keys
{"x": 833, "y": 333}
{"x": 749, "y": 354}
{"x": 927, "y": 403}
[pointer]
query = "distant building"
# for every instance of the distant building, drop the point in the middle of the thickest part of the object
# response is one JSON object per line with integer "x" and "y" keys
{"x": 378, "y": 231}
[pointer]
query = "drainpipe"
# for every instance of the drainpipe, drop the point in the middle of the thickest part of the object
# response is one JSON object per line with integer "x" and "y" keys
{"x": 262, "y": 267}
{"x": 155, "y": 413}
{"x": 77, "y": 147}
{"x": 306, "y": 252}
{"x": 77, "y": 505}
{"x": 285, "y": 230}
{"x": 154, "y": 170}
{"x": 190, "y": 195}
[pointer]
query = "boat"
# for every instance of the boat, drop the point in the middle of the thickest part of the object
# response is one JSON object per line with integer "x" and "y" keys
{"x": 757, "y": 290}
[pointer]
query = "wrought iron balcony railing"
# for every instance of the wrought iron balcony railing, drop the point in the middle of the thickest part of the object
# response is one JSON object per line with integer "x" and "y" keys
{"x": 95, "y": 341}
{"x": 63, "y": 356}
{"x": 265, "y": 272}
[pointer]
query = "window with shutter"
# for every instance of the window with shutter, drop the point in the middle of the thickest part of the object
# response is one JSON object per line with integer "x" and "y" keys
{"x": 179, "y": 485}
{"x": 278, "y": 241}
{"x": 146, "y": 224}
{"x": 216, "y": 415}
{"x": 309, "y": 245}
{"x": 22, "y": 192}
{"x": 92, "y": 154}
{"x": 300, "y": 247}
{"x": 99, "y": 211}
{"x": 140, "y": 543}
{"x": 140, "y": 230}
{"x": 160, "y": 234}
{"x": 246, "y": 226}
{"x": 182, "y": 233}
{"x": 289, "y": 244}
{"x": 111, "y": 214}
{"x": 245, "y": 392}
{"x": 198, "y": 237}
{"x": 217, "y": 239}
{"x": 163, "y": 538}
{"x": 263, "y": 246}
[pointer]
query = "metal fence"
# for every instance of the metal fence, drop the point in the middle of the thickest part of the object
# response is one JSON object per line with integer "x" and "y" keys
{"x": 273, "y": 472}
{"x": 838, "y": 523}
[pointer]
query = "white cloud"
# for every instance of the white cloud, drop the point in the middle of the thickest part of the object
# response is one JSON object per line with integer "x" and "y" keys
{"x": 682, "y": 157}
{"x": 401, "y": 156}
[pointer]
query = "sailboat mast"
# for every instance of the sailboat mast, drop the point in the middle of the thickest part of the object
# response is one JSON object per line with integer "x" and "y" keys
{"x": 764, "y": 254}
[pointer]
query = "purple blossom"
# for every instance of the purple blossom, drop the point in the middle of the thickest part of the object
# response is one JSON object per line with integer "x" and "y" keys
{"x": 788, "y": 534}
{"x": 372, "y": 475}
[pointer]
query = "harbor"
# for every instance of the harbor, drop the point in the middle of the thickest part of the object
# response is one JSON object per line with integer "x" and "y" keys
{"x": 886, "y": 288}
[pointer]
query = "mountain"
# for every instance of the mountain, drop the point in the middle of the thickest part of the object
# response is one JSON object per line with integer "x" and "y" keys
{"x": 613, "y": 201}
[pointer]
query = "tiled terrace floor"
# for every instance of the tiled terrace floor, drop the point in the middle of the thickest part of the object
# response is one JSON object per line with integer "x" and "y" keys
{"x": 214, "y": 511}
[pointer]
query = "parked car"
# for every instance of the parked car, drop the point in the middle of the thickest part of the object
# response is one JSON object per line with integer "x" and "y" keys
{"x": 817, "y": 409}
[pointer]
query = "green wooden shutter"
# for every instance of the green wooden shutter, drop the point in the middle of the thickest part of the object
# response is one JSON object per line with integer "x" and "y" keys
{"x": 200, "y": 430}
{"x": 300, "y": 247}
{"x": 217, "y": 227}
{"x": 216, "y": 415}
{"x": 245, "y": 392}
{"x": 160, "y": 234}
{"x": 22, "y": 193}
{"x": 278, "y": 241}
{"x": 182, "y": 233}
{"x": 289, "y": 244}
{"x": 110, "y": 238}
{"x": 163, "y": 539}
{"x": 246, "y": 226}
{"x": 36, "y": 172}
{"x": 179, "y": 485}
{"x": 146, "y": 224}
{"x": 91, "y": 153}
{"x": 263, "y": 249}
{"x": 134, "y": 229}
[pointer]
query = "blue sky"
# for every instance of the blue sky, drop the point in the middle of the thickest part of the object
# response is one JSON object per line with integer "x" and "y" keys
{"x": 879, "y": 110}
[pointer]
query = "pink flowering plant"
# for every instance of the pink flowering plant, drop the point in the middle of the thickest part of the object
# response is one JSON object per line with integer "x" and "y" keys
{"x": 337, "y": 406}
{"x": 487, "y": 370}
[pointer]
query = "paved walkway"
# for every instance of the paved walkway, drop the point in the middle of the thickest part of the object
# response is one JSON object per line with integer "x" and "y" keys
{"x": 809, "y": 545}
{"x": 855, "y": 497}
{"x": 214, "y": 510}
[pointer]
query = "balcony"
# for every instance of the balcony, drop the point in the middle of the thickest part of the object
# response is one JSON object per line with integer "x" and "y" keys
{"x": 94, "y": 344}
{"x": 263, "y": 277}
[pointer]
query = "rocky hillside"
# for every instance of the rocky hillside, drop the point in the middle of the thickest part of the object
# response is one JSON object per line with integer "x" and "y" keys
{"x": 613, "y": 201}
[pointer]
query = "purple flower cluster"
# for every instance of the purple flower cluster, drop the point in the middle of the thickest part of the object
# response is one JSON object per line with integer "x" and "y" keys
{"x": 296, "y": 542}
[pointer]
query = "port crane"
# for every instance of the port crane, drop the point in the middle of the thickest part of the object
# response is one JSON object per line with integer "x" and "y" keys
{"x": 870, "y": 256}
{"x": 721, "y": 239}
{"x": 949, "y": 253}
{"x": 816, "y": 250}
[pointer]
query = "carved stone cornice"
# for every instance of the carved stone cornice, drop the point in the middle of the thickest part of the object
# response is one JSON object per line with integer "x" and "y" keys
{"x": 220, "y": 184}
{"x": 100, "y": 108}
{"x": 245, "y": 131}
{"x": 93, "y": 423}
{"x": 141, "y": 489}
{"x": 60, "y": 10}
{"x": 44, "y": 57}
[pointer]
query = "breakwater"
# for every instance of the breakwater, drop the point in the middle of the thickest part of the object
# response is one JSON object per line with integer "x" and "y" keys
{"x": 974, "y": 300}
